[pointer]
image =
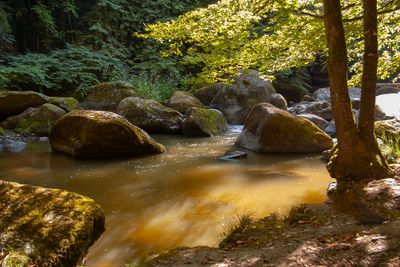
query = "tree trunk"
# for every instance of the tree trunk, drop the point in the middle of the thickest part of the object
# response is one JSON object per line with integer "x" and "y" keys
{"x": 354, "y": 157}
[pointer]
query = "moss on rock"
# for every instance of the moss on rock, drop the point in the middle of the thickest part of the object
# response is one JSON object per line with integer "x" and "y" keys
{"x": 66, "y": 103}
{"x": 269, "y": 129}
{"x": 106, "y": 96}
{"x": 35, "y": 120}
{"x": 15, "y": 102}
{"x": 204, "y": 122}
{"x": 51, "y": 227}
{"x": 88, "y": 133}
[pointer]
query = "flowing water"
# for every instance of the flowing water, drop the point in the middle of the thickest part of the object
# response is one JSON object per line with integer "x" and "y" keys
{"x": 184, "y": 197}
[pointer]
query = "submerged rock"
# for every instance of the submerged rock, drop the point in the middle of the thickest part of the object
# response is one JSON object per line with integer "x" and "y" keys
{"x": 86, "y": 133}
{"x": 66, "y": 103}
{"x": 46, "y": 227}
{"x": 203, "y": 122}
{"x": 229, "y": 155}
{"x": 269, "y": 129}
{"x": 15, "y": 102}
{"x": 106, "y": 96}
{"x": 181, "y": 101}
{"x": 150, "y": 115}
{"x": 37, "y": 120}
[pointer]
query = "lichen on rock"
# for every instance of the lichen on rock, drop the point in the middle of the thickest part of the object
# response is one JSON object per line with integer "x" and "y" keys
{"x": 50, "y": 227}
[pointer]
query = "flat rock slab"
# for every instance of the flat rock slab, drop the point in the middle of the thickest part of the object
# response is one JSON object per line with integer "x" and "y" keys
{"x": 46, "y": 227}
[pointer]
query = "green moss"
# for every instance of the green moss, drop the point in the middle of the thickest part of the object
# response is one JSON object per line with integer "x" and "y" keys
{"x": 16, "y": 259}
{"x": 29, "y": 125}
{"x": 2, "y": 131}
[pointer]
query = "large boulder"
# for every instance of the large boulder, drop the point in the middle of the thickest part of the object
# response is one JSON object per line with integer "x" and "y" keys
{"x": 204, "y": 122}
{"x": 106, "y": 96}
{"x": 181, "y": 101}
{"x": 15, "y": 102}
{"x": 88, "y": 133}
{"x": 248, "y": 90}
{"x": 207, "y": 94}
{"x": 150, "y": 115}
{"x": 46, "y": 227}
{"x": 66, "y": 103}
{"x": 37, "y": 120}
{"x": 269, "y": 129}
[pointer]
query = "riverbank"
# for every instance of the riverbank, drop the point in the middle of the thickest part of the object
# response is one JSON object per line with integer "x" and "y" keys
{"x": 310, "y": 235}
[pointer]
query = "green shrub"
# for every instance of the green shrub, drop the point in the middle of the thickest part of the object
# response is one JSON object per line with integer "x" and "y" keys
{"x": 72, "y": 69}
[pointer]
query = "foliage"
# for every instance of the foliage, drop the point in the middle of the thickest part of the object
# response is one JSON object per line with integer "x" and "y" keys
{"x": 272, "y": 36}
{"x": 154, "y": 87}
{"x": 73, "y": 68}
{"x": 390, "y": 146}
{"x": 241, "y": 224}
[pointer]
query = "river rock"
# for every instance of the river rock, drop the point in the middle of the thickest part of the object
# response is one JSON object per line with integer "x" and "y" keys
{"x": 150, "y": 115}
{"x": 181, "y": 101}
{"x": 387, "y": 89}
{"x": 203, "y": 122}
{"x": 324, "y": 94}
{"x": 320, "y": 108}
{"x": 331, "y": 129}
{"x": 278, "y": 101}
{"x": 389, "y": 104}
{"x": 269, "y": 129}
{"x": 320, "y": 122}
{"x": 106, "y": 96}
{"x": 94, "y": 134}
{"x": 66, "y": 103}
{"x": 46, "y": 227}
{"x": 207, "y": 94}
{"x": 293, "y": 84}
{"x": 231, "y": 155}
{"x": 248, "y": 90}
{"x": 15, "y": 102}
{"x": 37, "y": 120}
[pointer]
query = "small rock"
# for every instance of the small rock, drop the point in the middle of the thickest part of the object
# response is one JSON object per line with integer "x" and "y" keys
{"x": 230, "y": 155}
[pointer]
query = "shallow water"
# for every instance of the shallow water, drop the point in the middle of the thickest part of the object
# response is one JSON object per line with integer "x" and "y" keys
{"x": 184, "y": 197}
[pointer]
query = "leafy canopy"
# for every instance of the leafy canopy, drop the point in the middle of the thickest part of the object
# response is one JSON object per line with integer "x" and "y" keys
{"x": 272, "y": 35}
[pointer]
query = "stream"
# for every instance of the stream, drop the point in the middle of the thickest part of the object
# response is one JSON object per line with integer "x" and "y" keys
{"x": 186, "y": 196}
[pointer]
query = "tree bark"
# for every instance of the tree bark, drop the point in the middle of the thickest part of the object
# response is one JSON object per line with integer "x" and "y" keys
{"x": 355, "y": 157}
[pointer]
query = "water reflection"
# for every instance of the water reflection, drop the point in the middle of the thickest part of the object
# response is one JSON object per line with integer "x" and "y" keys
{"x": 180, "y": 198}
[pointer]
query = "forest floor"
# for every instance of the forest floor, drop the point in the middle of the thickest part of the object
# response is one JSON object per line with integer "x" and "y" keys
{"x": 310, "y": 235}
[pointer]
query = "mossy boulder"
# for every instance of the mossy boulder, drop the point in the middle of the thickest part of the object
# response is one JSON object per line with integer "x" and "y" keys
{"x": 15, "y": 102}
{"x": 269, "y": 129}
{"x": 46, "y": 227}
{"x": 207, "y": 93}
{"x": 95, "y": 134}
{"x": 248, "y": 90}
{"x": 106, "y": 96}
{"x": 181, "y": 101}
{"x": 66, "y": 103}
{"x": 37, "y": 120}
{"x": 150, "y": 115}
{"x": 204, "y": 122}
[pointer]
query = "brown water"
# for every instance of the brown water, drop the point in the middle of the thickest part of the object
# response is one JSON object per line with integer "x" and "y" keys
{"x": 184, "y": 197}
